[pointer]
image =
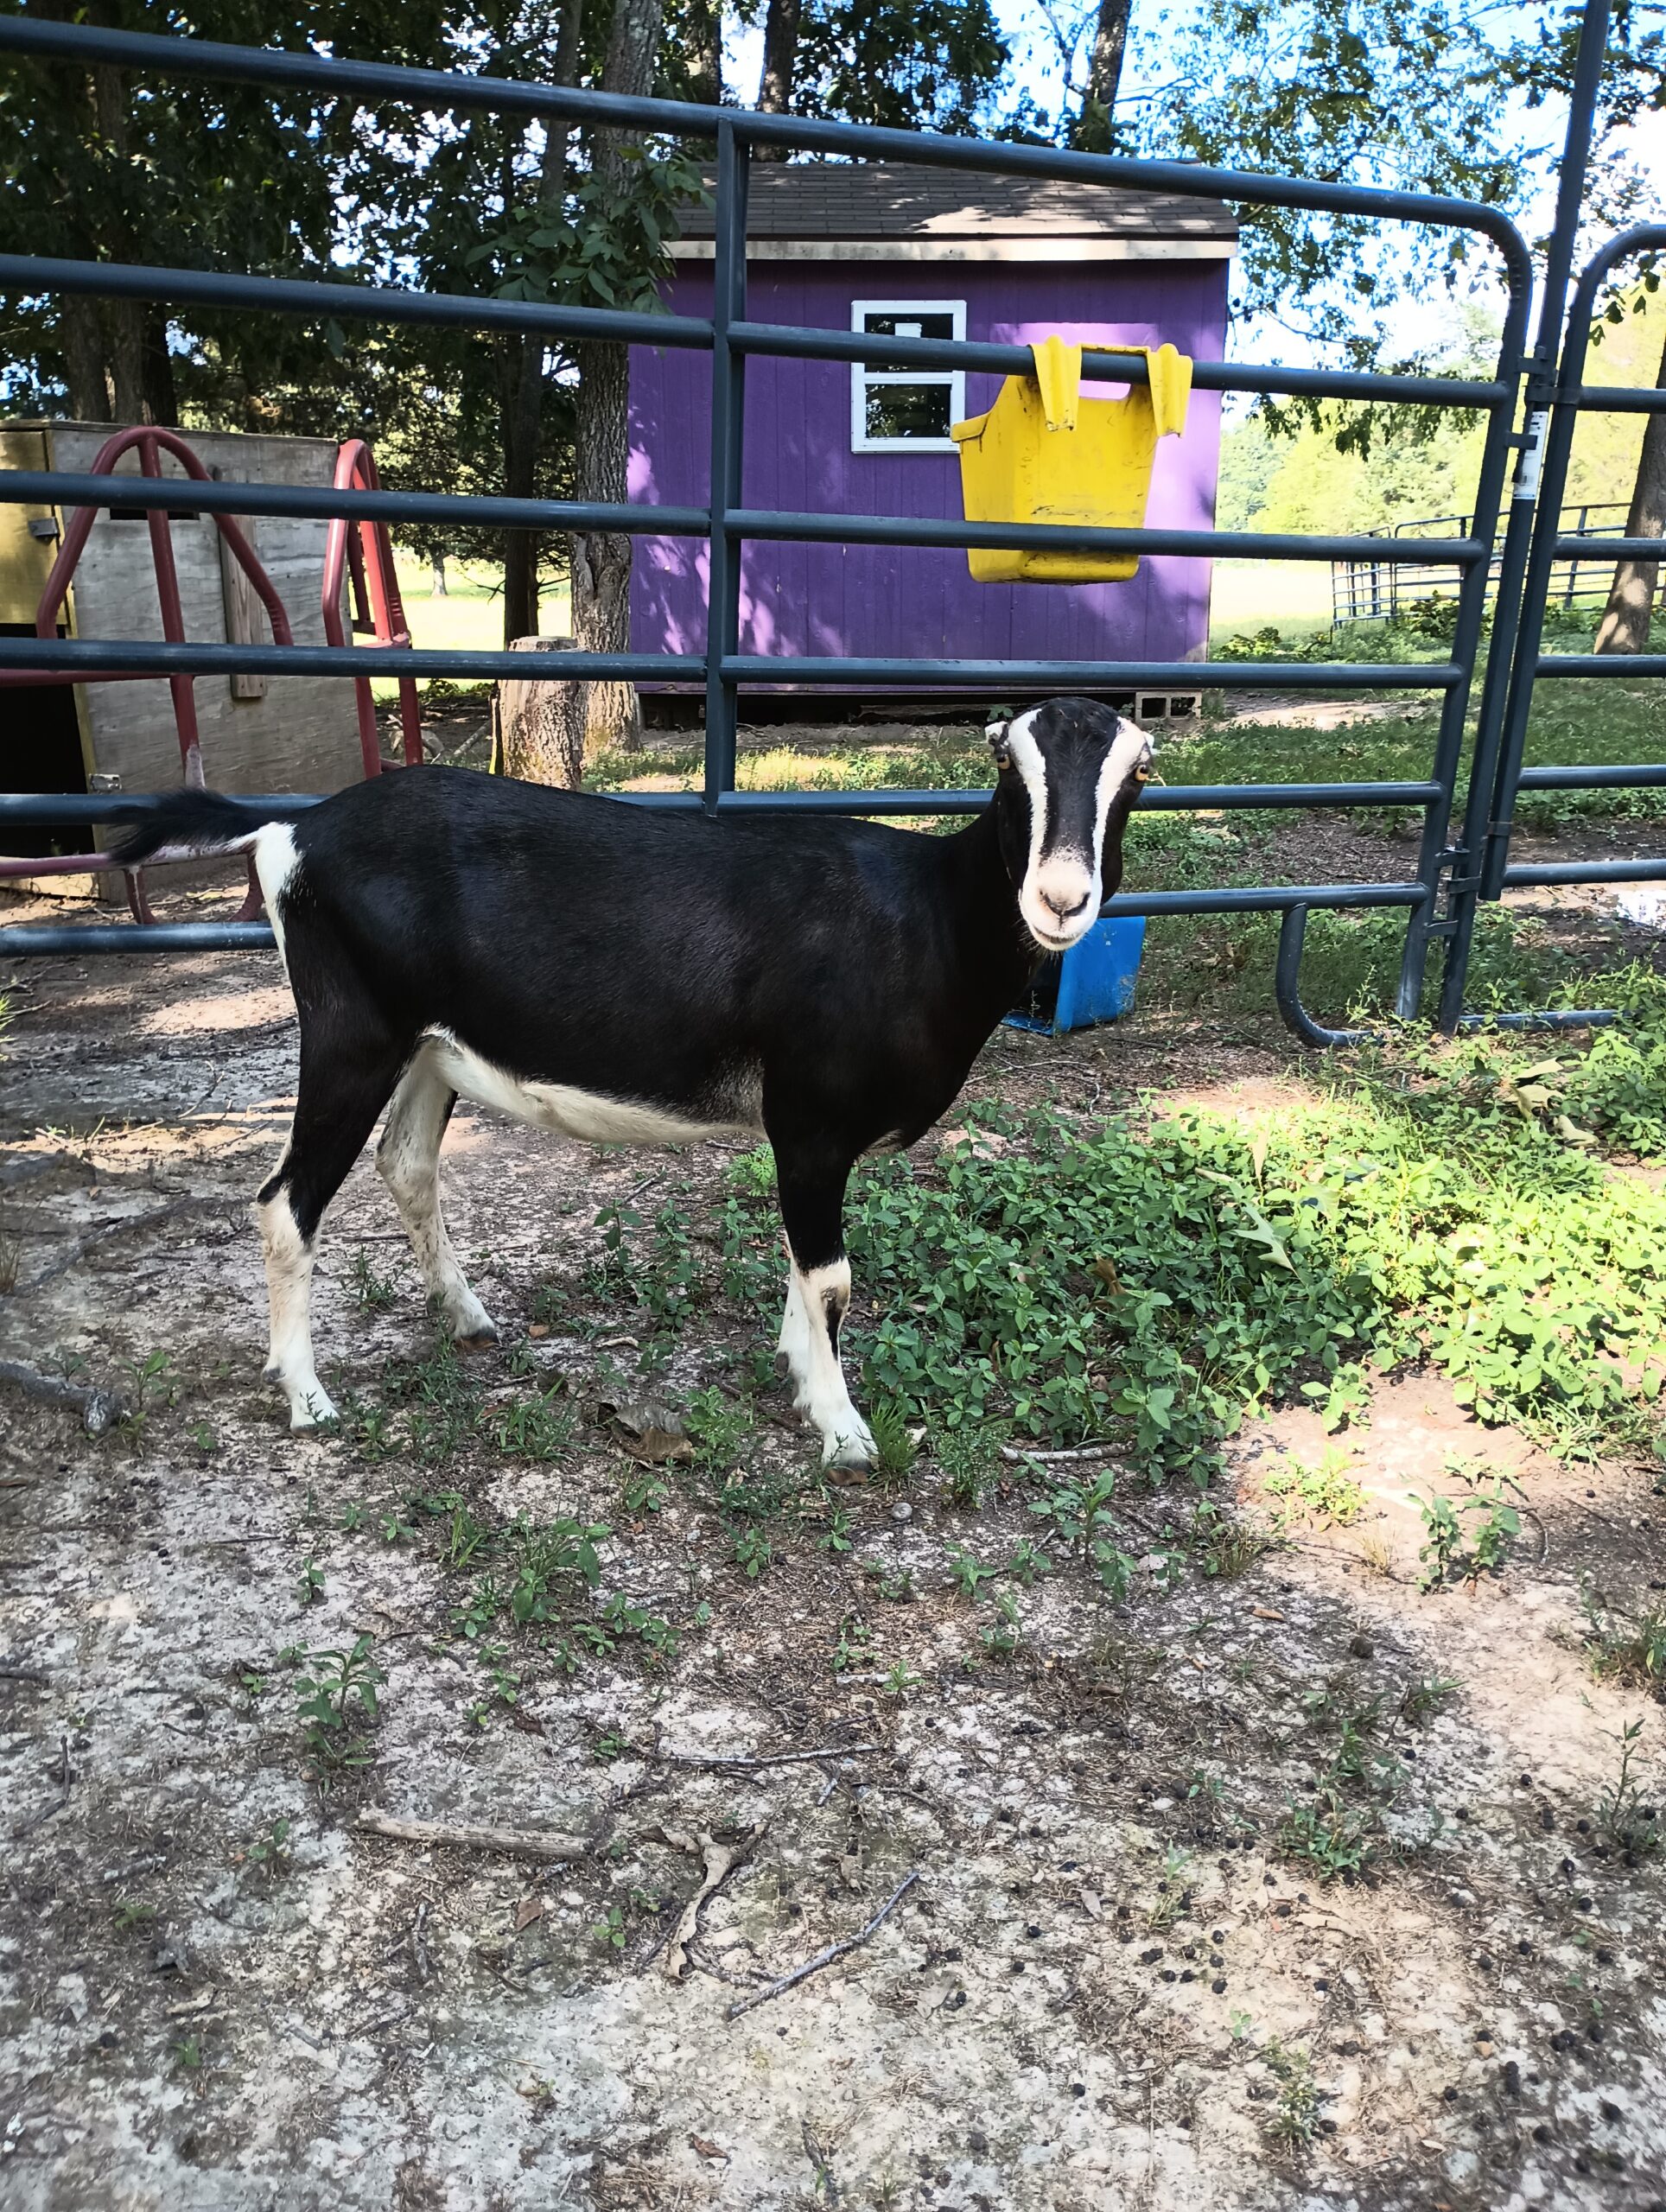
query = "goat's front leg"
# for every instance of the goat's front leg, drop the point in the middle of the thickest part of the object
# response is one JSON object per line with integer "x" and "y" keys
{"x": 819, "y": 1297}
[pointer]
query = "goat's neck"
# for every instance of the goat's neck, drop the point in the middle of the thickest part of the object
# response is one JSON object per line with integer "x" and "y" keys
{"x": 996, "y": 953}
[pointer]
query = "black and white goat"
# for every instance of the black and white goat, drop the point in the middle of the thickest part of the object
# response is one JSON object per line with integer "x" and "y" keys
{"x": 632, "y": 977}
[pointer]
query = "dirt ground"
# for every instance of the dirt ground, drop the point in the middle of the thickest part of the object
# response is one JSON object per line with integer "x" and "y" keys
{"x": 1102, "y": 1984}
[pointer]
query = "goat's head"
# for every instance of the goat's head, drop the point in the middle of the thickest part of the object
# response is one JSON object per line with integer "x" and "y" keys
{"x": 1069, "y": 771}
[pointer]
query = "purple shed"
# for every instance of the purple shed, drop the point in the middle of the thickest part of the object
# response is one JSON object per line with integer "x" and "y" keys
{"x": 888, "y": 247}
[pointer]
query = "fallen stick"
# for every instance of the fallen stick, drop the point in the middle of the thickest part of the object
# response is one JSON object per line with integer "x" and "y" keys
{"x": 1016, "y": 1455}
{"x": 99, "y": 1409}
{"x": 518, "y": 1843}
{"x": 769, "y": 1758}
{"x": 833, "y": 1951}
{"x": 12, "y": 1670}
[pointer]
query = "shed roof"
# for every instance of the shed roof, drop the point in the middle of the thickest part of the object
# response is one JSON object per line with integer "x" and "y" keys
{"x": 898, "y": 210}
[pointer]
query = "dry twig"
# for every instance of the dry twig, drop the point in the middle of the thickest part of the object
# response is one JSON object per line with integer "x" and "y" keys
{"x": 99, "y": 1409}
{"x": 833, "y": 1951}
{"x": 519, "y": 1843}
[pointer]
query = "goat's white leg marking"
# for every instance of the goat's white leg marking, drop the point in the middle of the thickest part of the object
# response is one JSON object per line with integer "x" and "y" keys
{"x": 824, "y": 1295}
{"x": 288, "y": 1292}
{"x": 792, "y": 1345}
{"x": 408, "y": 1159}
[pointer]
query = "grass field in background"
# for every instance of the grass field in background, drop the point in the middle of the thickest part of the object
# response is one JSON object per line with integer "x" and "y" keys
{"x": 1290, "y": 596}
{"x": 469, "y": 618}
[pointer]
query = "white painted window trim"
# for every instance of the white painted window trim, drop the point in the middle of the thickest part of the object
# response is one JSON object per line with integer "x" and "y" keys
{"x": 861, "y": 377}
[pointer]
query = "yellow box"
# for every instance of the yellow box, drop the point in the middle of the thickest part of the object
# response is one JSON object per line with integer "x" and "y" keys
{"x": 1044, "y": 455}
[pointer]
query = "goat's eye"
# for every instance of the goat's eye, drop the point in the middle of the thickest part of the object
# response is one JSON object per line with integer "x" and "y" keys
{"x": 1142, "y": 774}
{"x": 1003, "y": 761}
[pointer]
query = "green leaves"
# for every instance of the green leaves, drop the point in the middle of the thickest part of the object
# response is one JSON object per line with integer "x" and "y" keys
{"x": 1433, "y": 1222}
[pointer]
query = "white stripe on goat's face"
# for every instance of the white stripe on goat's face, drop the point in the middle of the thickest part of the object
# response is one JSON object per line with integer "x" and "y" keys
{"x": 1074, "y": 758}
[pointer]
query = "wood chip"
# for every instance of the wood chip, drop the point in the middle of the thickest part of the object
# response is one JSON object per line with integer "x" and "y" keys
{"x": 1266, "y": 1612}
{"x": 528, "y": 1910}
{"x": 519, "y": 1843}
{"x": 707, "y": 2148}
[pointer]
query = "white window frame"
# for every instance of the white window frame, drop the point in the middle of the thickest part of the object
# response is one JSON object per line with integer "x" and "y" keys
{"x": 862, "y": 377}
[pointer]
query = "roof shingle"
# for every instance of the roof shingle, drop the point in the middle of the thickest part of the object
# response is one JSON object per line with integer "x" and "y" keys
{"x": 896, "y": 199}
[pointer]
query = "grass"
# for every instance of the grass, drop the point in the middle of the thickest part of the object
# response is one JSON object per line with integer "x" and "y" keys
{"x": 1425, "y": 1212}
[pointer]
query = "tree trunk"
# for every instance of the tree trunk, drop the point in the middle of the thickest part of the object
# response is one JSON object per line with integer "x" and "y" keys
{"x": 82, "y": 338}
{"x": 1625, "y": 626}
{"x": 780, "y": 68}
{"x": 124, "y": 319}
{"x": 124, "y": 322}
{"x": 439, "y": 590}
{"x": 539, "y": 737}
{"x": 705, "y": 28}
{"x": 523, "y": 402}
{"x": 601, "y": 560}
{"x": 1095, "y": 131}
{"x": 522, "y": 365}
{"x": 161, "y": 402}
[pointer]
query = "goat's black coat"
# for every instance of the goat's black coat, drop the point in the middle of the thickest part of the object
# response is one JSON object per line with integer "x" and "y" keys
{"x": 832, "y": 979}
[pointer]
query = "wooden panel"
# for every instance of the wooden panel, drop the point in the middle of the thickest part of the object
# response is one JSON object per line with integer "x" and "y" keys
{"x": 25, "y": 559}
{"x": 301, "y": 735}
{"x": 246, "y": 622}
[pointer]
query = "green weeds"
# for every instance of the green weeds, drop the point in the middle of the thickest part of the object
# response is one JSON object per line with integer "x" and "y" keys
{"x": 1326, "y": 1493}
{"x": 371, "y": 1291}
{"x": 1467, "y": 1537}
{"x": 1429, "y": 1694}
{"x": 1622, "y": 1647}
{"x": 1624, "y": 1818}
{"x": 1295, "y": 2119}
{"x": 1388, "y": 1225}
{"x": 338, "y": 1705}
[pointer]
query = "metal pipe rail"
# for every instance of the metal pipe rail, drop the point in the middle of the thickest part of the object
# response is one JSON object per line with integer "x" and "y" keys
{"x": 733, "y": 338}
{"x": 37, "y": 939}
{"x": 1564, "y": 396}
{"x": 478, "y": 510}
{"x": 51, "y": 808}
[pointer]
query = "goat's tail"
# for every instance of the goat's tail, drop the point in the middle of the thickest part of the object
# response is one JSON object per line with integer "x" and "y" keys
{"x": 196, "y": 825}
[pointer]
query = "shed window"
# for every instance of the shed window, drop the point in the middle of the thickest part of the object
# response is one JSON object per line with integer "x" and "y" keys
{"x": 905, "y": 410}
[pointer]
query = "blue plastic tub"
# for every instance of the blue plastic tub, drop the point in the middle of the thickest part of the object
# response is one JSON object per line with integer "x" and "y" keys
{"x": 1093, "y": 981}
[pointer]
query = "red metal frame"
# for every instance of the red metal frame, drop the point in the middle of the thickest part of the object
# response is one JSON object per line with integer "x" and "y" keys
{"x": 151, "y": 443}
{"x": 360, "y": 550}
{"x": 364, "y": 551}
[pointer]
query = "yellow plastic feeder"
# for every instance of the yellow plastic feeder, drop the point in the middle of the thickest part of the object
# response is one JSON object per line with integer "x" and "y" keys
{"x": 1044, "y": 454}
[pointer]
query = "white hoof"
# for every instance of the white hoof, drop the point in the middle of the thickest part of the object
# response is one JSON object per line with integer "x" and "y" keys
{"x": 311, "y": 1407}
{"x": 853, "y": 1448}
{"x": 468, "y": 1320}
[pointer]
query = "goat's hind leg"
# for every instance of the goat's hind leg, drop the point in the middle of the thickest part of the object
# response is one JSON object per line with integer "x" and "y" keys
{"x": 408, "y": 1161}
{"x": 340, "y": 1094}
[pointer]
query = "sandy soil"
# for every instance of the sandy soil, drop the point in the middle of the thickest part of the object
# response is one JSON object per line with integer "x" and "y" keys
{"x": 1106, "y": 1984}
